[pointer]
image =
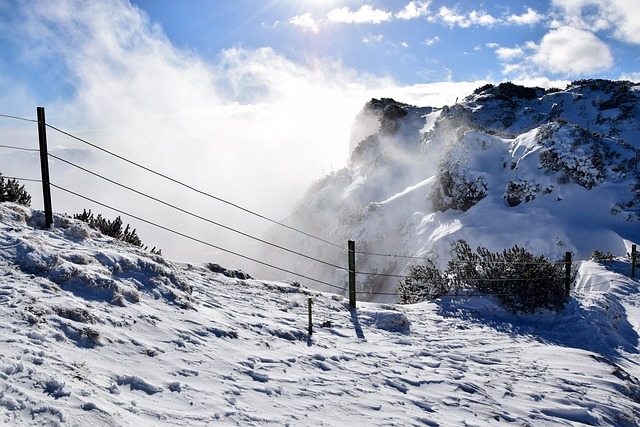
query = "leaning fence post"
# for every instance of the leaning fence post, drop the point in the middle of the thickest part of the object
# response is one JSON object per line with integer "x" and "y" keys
{"x": 44, "y": 167}
{"x": 567, "y": 274}
{"x": 633, "y": 261}
{"x": 352, "y": 273}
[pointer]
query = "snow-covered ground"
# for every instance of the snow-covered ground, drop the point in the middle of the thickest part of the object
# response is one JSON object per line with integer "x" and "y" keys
{"x": 96, "y": 333}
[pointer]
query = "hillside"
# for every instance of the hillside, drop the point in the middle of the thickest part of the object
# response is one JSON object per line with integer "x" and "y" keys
{"x": 95, "y": 332}
{"x": 553, "y": 171}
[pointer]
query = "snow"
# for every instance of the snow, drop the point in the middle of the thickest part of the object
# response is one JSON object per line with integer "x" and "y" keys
{"x": 95, "y": 332}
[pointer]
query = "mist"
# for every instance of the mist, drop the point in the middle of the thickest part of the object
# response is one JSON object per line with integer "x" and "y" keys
{"x": 249, "y": 126}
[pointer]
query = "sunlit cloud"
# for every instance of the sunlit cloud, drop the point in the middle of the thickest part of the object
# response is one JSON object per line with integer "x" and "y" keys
{"x": 366, "y": 14}
{"x": 414, "y": 10}
{"x": 305, "y": 21}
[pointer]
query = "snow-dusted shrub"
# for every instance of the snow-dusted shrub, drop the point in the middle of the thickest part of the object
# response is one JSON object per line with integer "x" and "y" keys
{"x": 574, "y": 151}
{"x": 456, "y": 190}
{"x": 113, "y": 229}
{"x": 516, "y": 192}
{"x": 600, "y": 256}
{"x": 521, "y": 281}
{"x": 424, "y": 282}
{"x": 11, "y": 191}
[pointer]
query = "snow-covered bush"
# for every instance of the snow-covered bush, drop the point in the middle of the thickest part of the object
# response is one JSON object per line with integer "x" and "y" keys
{"x": 424, "y": 282}
{"x": 521, "y": 281}
{"x": 113, "y": 229}
{"x": 11, "y": 191}
{"x": 600, "y": 256}
{"x": 518, "y": 191}
{"x": 575, "y": 151}
{"x": 456, "y": 190}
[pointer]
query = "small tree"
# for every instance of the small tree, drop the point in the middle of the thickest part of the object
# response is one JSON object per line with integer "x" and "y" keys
{"x": 11, "y": 191}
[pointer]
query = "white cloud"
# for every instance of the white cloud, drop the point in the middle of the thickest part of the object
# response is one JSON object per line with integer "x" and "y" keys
{"x": 414, "y": 9}
{"x": 305, "y": 21}
{"x": 619, "y": 16}
{"x": 366, "y": 14}
{"x": 251, "y": 127}
{"x": 452, "y": 18}
{"x": 431, "y": 41}
{"x": 482, "y": 19}
{"x": 372, "y": 38}
{"x": 571, "y": 52}
{"x": 509, "y": 53}
{"x": 531, "y": 17}
{"x": 634, "y": 77}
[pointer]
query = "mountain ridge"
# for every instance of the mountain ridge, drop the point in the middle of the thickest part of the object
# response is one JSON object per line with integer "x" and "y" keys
{"x": 420, "y": 178}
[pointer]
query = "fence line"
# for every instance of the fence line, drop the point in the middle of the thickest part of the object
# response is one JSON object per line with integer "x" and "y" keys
{"x": 170, "y": 230}
{"x": 22, "y": 179}
{"x": 175, "y": 181}
{"x": 342, "y": 289}
{"x": 7, "y": 116}
{"x": 35, "y": 150}
{"x": 155, "y": 199}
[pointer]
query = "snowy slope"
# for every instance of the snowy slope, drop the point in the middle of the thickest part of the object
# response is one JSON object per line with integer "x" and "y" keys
{"x": 95, "y": 332}
{"x": 553, "y": 171}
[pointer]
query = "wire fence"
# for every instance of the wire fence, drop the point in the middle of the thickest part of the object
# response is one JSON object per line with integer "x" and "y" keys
{"x": 209, "y": 221}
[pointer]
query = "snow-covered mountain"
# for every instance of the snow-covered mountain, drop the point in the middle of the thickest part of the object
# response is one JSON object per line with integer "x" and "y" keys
{"x": 553, "y": 171}
{"x": 94, "y": 332}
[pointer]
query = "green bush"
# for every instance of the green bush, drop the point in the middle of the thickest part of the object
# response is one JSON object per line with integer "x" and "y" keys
{"x": 113, "y": 229}
{"x": 11, "y": 191}
{"x": 521, "y": 281}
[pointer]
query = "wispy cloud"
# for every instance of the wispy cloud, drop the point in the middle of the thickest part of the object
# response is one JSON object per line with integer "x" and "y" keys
{"x": 373, "y": 38}
{"x": 431, "y": 41}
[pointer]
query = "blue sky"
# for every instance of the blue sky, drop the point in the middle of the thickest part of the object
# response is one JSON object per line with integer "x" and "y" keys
{"x": 252, "y": 100}
{"x": 422, "y": 41}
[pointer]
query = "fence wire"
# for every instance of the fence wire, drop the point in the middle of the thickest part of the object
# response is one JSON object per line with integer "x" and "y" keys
{"x": 285, "y": 270}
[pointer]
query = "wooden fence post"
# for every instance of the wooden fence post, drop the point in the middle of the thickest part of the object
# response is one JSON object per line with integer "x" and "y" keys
{"x": 567, "y": 274}
{"x": 633, "y": 261}
{"x": 352, "y": 273}
{"x": 44, "y": 168}
{"x": 310, "y": 301}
